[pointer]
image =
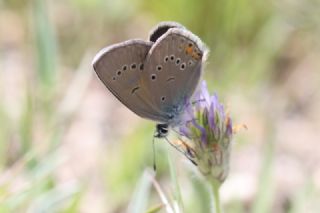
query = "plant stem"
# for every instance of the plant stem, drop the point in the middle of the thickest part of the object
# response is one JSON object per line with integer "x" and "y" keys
{"x": 215, "y": 186}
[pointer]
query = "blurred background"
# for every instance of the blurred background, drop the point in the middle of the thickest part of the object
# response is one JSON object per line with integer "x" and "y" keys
{"x": 67, "y": 145}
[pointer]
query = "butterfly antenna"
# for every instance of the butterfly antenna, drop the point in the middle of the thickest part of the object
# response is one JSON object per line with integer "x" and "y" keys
{"x": 196, "y": 101}
{"x": 185, "y": 153}
{"x": 178, "y": 133}
{"x": 179, "y": 150}
{"x": 154, "y": 155}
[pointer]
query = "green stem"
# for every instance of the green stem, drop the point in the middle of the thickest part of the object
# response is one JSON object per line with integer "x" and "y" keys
{"x": 215, "y": 186}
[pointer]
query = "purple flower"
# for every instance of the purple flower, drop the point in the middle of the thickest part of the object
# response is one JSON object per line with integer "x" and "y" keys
{"x": 211, "y": 115}
{"x": 202, "y": 96}
{"x": 209, "y": 132}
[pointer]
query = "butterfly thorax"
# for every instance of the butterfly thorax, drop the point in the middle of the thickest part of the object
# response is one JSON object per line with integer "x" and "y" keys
{"x": 174, "y": 118}
{"x": 174, "y": 114}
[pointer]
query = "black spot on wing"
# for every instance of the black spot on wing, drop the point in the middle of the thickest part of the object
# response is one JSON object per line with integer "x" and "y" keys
{"x": 170, "y": 79}
{"x": 135, "y": 89}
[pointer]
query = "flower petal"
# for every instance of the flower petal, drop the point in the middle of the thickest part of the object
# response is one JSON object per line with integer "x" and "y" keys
{"x": 185, "y": 131}
{"x": 205, "y": 94}
{"x": 228, "y": 127}
{"x": 202, "y": 96}
{"x": 203, "y": 134}
{"x": 211, "y": 115}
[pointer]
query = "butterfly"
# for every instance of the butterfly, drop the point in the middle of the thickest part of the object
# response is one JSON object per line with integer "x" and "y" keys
{"x": 154, "y": 78}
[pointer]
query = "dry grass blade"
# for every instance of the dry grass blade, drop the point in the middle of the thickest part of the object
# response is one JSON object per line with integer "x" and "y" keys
{"x": 162, "y": 195}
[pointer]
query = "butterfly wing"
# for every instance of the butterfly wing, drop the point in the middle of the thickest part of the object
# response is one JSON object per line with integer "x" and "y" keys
{"x": 162, "y": 28}
{"x": 119, "y": 67}
{"x": 173, "y": 66}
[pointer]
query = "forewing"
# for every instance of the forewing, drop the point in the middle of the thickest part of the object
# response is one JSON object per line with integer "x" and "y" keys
{"x": 119, "y": 68}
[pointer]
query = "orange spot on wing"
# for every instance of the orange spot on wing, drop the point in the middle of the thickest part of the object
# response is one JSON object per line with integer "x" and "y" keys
{"x": 189, "y": 50}
{"x": 196, "y": 55}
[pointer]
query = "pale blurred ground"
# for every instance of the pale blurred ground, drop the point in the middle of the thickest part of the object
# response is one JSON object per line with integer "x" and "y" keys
{"x": 66, "y": 141}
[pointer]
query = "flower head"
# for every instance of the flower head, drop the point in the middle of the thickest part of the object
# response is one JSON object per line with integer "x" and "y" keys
{"x": 209, "y": 131}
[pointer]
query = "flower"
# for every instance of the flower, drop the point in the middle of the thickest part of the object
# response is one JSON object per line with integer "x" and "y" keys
{"x": 208, "y": 129}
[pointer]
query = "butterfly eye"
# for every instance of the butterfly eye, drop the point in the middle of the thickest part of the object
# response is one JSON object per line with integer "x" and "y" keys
{"x": 159, "y": 67}
{"x": 124, "y": 68}
{"x": 190, "y": 44}
{"x": 182, "y": 66}
{"x": 178, "y": 61}
{"x": 153, "y": 77}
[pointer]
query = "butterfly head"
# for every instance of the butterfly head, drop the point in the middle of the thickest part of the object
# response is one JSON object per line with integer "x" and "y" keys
{"x": 161, "y": 130}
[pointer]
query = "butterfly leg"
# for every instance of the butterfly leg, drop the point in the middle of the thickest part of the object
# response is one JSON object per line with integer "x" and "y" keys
{"x": 181, "y": 151}
{"x": 154, "y": 154}
{"x": 196, "y": 101}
